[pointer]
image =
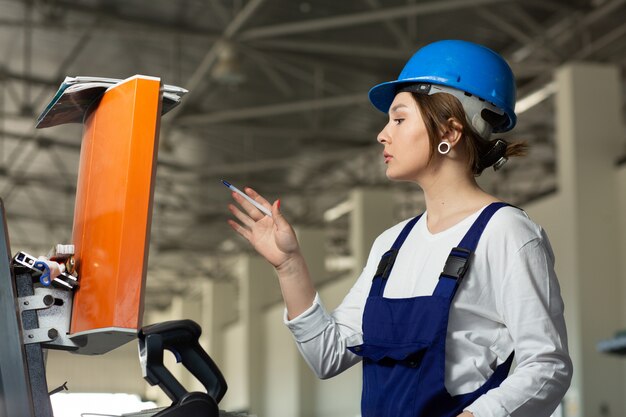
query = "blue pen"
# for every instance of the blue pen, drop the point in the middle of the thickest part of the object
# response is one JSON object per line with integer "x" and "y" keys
{"x": 251, "y": 201}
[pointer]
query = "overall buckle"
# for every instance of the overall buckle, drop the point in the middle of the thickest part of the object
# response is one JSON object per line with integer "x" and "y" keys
{"x": 457, "y": 263}
{"x": 386, "y": 263}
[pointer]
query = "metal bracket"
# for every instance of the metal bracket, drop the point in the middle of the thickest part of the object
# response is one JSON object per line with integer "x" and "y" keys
{"x": 54, "y": 309}
{"x": 40, "y": 335}
{"x": 35, "y": 302}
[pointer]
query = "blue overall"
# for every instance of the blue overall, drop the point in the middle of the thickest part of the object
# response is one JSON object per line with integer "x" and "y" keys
{"x": 404, "y": 339}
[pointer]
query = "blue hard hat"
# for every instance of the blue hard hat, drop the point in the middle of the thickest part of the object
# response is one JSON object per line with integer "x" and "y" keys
{"x": 462, "y": 65}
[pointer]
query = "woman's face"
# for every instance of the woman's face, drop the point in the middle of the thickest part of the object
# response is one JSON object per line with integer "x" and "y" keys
{"x": 405, "y": 138}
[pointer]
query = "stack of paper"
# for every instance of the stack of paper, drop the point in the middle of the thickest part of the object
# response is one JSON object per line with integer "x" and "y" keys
{"x": 77, "y": 94}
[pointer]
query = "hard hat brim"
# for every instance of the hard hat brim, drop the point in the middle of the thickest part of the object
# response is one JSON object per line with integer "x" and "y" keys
{"x": 381, "y": 96}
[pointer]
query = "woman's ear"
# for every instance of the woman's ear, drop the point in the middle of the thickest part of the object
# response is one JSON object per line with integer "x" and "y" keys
{"x": 453, "y": 132}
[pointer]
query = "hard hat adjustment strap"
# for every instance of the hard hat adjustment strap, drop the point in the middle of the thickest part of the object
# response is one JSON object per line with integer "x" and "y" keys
{"x": 495, "y": 157}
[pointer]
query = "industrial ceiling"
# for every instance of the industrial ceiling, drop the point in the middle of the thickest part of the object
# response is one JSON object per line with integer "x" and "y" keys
{"x": 277, "y": 101}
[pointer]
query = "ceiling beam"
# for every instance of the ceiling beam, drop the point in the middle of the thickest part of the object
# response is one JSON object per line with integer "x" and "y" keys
{"x": 6, "y": 74}
{"x": 523, "y": 69}
{"x": 199, "y": 75}
{"x": 603, "y": 41}
{"x": 283, "y": 132}
{"x": 273, "y": 110}
{"x": 393, "y": 29}
{"x": 565, "y": 29}
{"x": 556, "y": 35}
{"x": 355, "y": 19}
{"x": 70, "y": 58}
{"x": 115, "y": 22}
{"x": 302, "y": 70}
{"x": 513, "y": 30}
{"x": 272, "y": 164}
{"x": 329, "y": 48}
{"x": 41, "y": 180}
{"x": 42, "y": 141}
{"x": 268, "y": 68}
{"x": 49, "y": 220}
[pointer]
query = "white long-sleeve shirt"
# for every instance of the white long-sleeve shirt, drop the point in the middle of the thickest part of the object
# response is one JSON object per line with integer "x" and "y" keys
{"x": 508, "y": 300}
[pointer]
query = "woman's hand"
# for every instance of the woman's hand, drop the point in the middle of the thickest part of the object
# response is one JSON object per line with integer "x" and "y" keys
{"x": 466, "y": 414}
{"x": 272, "y": 237}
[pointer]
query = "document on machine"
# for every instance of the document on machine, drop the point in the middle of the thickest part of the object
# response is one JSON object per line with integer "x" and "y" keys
{"x": 77, "y": 94}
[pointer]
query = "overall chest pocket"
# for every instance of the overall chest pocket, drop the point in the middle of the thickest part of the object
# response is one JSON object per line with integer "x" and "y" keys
{"x": 395, "y": 325}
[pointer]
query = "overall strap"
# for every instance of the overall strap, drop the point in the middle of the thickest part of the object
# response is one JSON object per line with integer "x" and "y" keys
{"x": 458, "y": 261}
{"x": 387, "y": 260}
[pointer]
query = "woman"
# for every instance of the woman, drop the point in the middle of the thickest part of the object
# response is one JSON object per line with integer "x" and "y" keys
{"x": 433, "y": 343}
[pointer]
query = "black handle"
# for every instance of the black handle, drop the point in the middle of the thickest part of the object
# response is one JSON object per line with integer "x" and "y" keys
{"x": 181, "y": 337}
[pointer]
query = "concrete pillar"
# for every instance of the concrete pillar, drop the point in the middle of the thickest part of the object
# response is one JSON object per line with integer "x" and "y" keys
{"x": 247, "y": 348}
{"x": 621, "y": 186}
{"x": 372, "y": 214}
{"x": 313, "y": 246}
{"x": 219, "y": 307}
{"x": 259, "y": 280}
{"x": 221, "y": 313}
{"x": 244, "y": 340}
{"x": 274, "y": 357}
{"x": 588, "y": 130}
{"x": 289, "y": 387}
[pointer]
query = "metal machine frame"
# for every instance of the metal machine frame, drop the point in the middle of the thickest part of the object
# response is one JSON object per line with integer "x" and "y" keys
{"x": 23, "y": 386}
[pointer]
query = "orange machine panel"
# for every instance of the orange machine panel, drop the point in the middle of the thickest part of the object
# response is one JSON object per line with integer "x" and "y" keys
{"x": 113, "y": 209}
